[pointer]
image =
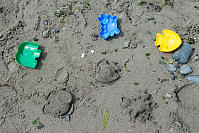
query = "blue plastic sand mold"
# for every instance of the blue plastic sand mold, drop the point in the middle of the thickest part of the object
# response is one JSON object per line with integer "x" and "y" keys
{"x": 108, "y": 26}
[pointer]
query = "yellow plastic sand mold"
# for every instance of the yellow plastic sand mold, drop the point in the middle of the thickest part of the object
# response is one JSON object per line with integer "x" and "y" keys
{"x": 168, "y": 41}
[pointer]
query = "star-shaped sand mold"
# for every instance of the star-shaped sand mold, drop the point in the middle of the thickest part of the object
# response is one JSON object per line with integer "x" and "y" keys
{"x": 108, "y": 26}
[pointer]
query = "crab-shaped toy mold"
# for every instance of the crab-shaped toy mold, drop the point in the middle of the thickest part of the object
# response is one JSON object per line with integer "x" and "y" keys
{"x": 108, "y": 26}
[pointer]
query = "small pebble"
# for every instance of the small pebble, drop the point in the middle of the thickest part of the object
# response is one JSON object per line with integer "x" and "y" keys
{"x": 35, "y": 39}
{"x": 174, "y": 91}
{"x": 171, "y": 68}
{"x": 45, "y": 34}
{"x": 172, "y": 76}
{"x": 45, "y": 22}
{"x": 150, "y": 18}
{"x": 126, "y": 44}
{"x": 185, "y": 69}
{"x": 162, "y": 62}
{"x": 95, "y": 35}
{"x": 56, "y": 30}
{"x": 127, "y": 1}
{"x": 157, "y": 8}
{"x": 196, "y": 57}
{"x": 68, "y": 118}
{"x": 169, "y": 95}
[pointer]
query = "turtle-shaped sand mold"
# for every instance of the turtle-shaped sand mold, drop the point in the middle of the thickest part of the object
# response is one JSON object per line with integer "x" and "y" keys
{"x": 108, "y": 26}
{"x": 26, "y": 54}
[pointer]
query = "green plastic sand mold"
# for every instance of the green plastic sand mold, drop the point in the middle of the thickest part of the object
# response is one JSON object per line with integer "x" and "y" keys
{"x": 26, "y": 54}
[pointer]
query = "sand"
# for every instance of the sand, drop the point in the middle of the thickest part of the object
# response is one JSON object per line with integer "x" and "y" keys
{"x": 133, "y": 88}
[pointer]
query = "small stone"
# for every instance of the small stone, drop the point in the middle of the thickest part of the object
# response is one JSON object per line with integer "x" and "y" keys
{"x": 45, "y": 22}
{"x": 157, "y": 8}
{"x": 150, "y": 18}
{"x": 169, "y": 95}
{"x": 126, "y": 44}
{"x": 56, "y": 30}
{"x": 172, "y": 76}
{"x": 174, "y": 91}
{"x": 95, "y": 35}
{"x": 68, "y": 118}
{"x": 35, "y": 39}
{"x": 162, "y": 62}
{"x": 185, "y": 69}
{"x": 45, "y": 34}
{"x": 127, "y": 1}
{"x": 196, "y": 57}
{"x": 171, "y": 68}
{"x": 194, "y": 78}
{"x": 183, "y": 54}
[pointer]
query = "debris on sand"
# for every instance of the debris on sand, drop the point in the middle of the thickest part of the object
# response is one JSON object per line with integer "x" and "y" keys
{"x": 106, "y": 115}
{"x": 168, "y": 95}
{"x": 183, "y": 54}
{"x": 83, "y": 55}
{"x": 38, "y": 123}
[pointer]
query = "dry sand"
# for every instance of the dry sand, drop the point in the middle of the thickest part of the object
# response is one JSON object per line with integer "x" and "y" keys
{"x": 135, "y": 98}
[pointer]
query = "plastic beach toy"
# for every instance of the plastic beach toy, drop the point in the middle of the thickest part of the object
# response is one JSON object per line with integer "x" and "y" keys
{"x": 168, "y": 41}
{"x": 26, "y": 54}
{"x": 108, "y": 26}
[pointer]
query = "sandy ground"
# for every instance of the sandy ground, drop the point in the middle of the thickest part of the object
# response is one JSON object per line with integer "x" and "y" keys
{"x": 135, "y": 95}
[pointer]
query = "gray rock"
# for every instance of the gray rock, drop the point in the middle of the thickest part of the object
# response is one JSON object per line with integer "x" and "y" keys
{"x": 171, "y": 68}
{"x": 183, "y": 54}
{"x": 35, "y": 39}
{"x": 56, "y": 30}
{"x": 45, "y": 34}
{"x": 194, "y": 78}
{"x": 126, "y": 44}
{"x": 150, "y": 18}
{"x": 172, "y": 76}
{"x": 68, "y": 118}
{"x": 45, "y": 22}
{"x": 58, "y": 103}
{"x": 185, "y": 69}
